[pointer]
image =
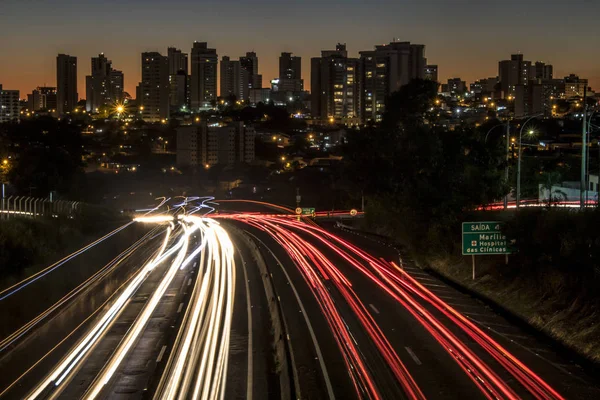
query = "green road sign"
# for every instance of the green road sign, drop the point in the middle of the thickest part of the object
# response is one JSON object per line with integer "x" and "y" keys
{"x": 485, "y": 238}
{"x": 308, "y": 211}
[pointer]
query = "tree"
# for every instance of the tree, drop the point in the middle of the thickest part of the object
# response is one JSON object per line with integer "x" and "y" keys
{"x": 416, "y": 175}
{"x": 41, "y": 170}
{"x": 410, "y": 105}
{"x": 549, "y": 180}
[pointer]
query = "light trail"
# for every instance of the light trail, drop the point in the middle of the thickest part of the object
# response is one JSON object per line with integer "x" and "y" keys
{"x": 315, "y": 272}
{"x": 400, "y": 283}
{"x": 71, "y": 360}
{"x": 197, "y": 366}
{"x": 141, "y": 321}
{"x": 100, "y": 274}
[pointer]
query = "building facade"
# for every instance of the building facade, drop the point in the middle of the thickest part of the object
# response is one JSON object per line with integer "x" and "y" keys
{"x": 290, "y": 72}
{"x": 9, "y": 105}
{"x": 574, "y": 86}
{"x": 456, "y": 86}
{"x": 334, "y": 86}
{"x": 249, "y": 63}
{"x": 153, "y": 91}
{"x": 234, "y": 79}
{"x": 179, "y": 81}
{"x": 513, "y": 72}
{"x": 203, "y": 78}
{"x": 104, "y": 87}
{"x": 431, "y": 73}
{"x": 383, "y": 71}
{"x": 42, "y": 98}
{"x": 66, "y": 83}
{"x": 201, "y": 146}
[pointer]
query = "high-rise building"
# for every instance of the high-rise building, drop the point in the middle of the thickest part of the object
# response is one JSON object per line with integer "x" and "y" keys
{"x": 97, "y": 84}
{"x": 334, "y": 85}
{"x": 543, "y": 71}
{"x": 249, "y": 62}
{"x": 431, "y": 73}
{"x": 178, "y": 61}
{"x": 116, "y": 86}
{"x": 178, "y": 91}
{"x": 290, "y": 73}
{"x": 104, "y": 87}
{"x": 179, "y": 81}
{"x": 383, "y": 71}
{"x": 234, "y": 79}
{"x": 290, "y": 67}
{"x": 513, "y": 72}
{"x": 530, "y": 100}
{"x": 42, "y": 98}
{"x": 204, "y": 146}
{"x": 9, "y": 105}
{"x": 153, "y": 91}
{"x": 66, "y": 83}
{"x": 203, "y": 85}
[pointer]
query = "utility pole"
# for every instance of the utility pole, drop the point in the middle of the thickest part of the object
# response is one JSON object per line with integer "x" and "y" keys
{"x": 583, "y": 186}
{"x": 506, "y": 167}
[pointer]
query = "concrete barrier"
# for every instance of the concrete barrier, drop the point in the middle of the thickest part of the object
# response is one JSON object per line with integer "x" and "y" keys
{"x": 288, "y": 381}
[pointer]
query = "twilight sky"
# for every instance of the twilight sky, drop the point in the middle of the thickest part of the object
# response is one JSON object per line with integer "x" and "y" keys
{"x": 466, "y": 38}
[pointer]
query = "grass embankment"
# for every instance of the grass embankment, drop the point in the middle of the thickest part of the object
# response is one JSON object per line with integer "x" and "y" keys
{"x": 553, "y": 282}
{"x": 27, "y": 245}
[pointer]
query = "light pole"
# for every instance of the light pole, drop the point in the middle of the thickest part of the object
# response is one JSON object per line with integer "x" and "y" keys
{"x": 519, "y": 160}
{"x": 582, "y": 184}
{"x": 507, "y": 134}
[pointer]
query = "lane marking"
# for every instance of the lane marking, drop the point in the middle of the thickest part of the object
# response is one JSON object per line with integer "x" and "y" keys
{"x": 433, "y": 285}
{"x": 250, "y": 352}
{"x": 161, "y": 354}
{"x": 413, "y": 355}
{"x": 305, "y": 315}
{"x": 374, "y": 308}
{"x": 180, "y": 307}
{"x": 189, "y": 282}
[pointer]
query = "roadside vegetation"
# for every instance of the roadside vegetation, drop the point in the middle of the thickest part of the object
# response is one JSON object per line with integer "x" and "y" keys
{"x": 421, "y": 181}
{"x": 27, "y": 245}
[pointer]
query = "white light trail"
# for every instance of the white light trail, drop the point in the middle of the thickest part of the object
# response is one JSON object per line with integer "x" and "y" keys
{"x": 197, "y": 366}
{"x": 95, "y": 333}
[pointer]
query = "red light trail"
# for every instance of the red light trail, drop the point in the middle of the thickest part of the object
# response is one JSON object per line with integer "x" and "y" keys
{"x": 405, "y": 290}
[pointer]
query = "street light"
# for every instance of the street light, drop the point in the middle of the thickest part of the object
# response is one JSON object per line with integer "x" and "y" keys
{"x": 520, "y": 152}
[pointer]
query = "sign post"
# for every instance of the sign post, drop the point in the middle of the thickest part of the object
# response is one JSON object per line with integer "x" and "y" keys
{"x": 485, "y": 238}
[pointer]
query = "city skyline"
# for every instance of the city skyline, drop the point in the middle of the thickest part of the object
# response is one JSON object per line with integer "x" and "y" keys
{"x": 539, "y": 32}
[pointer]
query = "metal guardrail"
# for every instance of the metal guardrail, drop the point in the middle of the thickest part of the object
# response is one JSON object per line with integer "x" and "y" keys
{"x": 32, "y": 207}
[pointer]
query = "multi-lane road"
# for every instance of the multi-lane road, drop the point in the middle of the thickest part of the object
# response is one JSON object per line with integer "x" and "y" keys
{"x": 252, "y": 303}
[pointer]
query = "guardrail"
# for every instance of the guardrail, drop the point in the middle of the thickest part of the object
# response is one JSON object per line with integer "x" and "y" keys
{"x": 32, "y": 207}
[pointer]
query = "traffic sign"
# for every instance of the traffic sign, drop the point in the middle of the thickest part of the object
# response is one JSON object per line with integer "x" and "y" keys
{"x": 485, "y": 238}
{"x": 308, "y": 210}
{"x": 298, "y": 211}
{"x": 353, "y": 212}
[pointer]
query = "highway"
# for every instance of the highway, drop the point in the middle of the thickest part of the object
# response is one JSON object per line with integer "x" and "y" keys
{"x": 250, "y": 302}
{"x": 429, "y": 336}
